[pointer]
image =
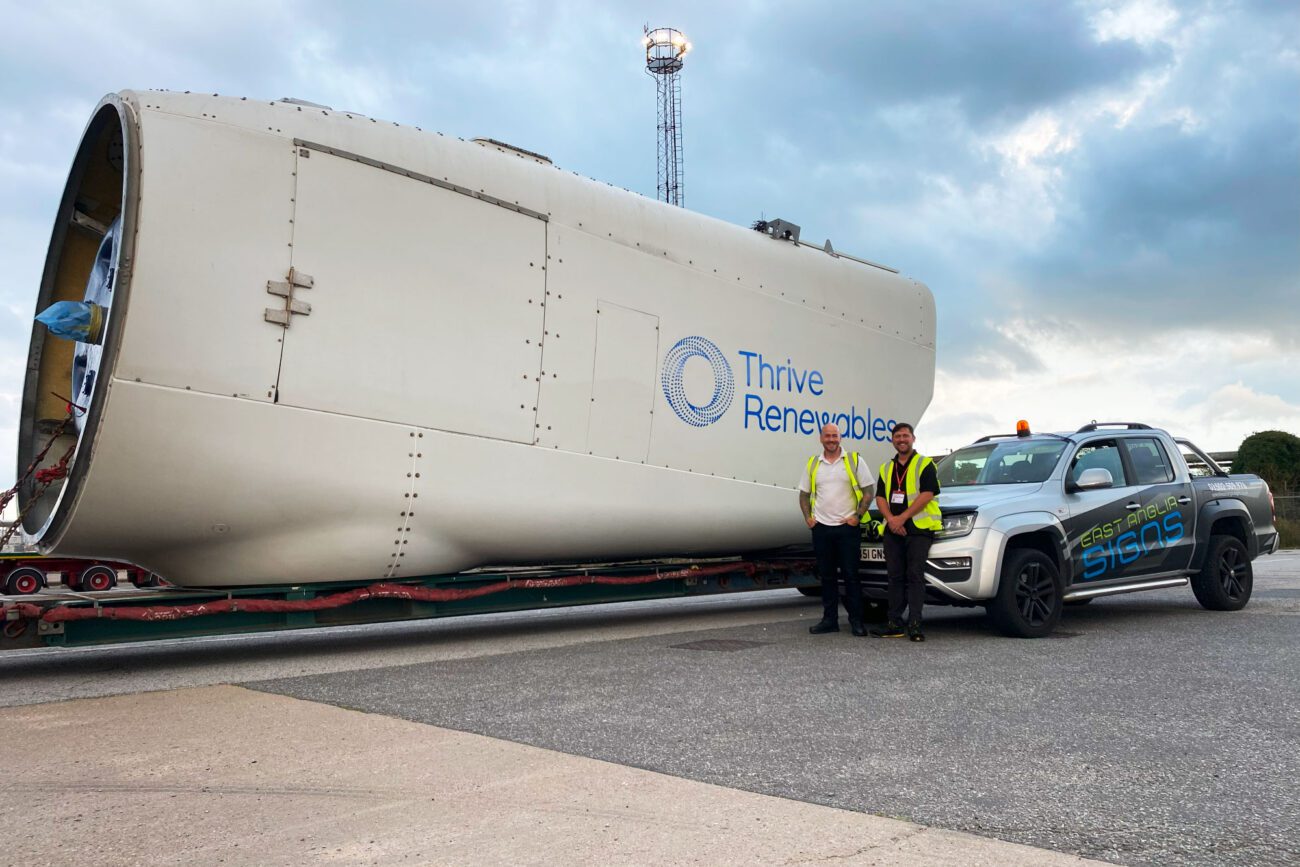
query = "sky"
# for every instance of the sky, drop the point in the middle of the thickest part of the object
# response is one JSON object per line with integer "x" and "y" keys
{"x": 1104, "y": 197}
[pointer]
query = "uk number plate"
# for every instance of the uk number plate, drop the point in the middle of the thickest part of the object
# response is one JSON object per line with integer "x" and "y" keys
{"x": 873, "y": 553}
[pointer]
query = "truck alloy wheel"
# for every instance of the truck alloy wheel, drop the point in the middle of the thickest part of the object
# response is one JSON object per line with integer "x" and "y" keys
{"x": 24, "y": 581}
{"x": 1225, "y": 581}
{"x": 1030, "y": 595}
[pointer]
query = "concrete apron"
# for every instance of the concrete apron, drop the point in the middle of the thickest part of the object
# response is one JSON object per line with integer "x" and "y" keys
{"x": 224, "y": 774}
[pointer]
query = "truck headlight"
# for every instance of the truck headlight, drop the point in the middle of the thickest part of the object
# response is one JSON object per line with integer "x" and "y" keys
{"x": 957, "y": 525}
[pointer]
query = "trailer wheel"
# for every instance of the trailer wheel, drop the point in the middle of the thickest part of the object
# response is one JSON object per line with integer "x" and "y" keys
{"x": 24, "y": 581}
{"x": 145, "y": 579}
{"x": 1225, "y": 581}
{"x": 97, "y": 578}
{"x": 1030, "y": 592}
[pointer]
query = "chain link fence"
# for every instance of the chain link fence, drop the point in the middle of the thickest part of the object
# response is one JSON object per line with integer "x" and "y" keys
{"x": 1288, "y": 518}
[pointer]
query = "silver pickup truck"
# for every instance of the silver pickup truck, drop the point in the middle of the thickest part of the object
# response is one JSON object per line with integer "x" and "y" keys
{"x": 1035, "y": 522}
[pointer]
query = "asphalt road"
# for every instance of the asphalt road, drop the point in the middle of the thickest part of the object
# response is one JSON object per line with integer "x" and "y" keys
{"x": 1148, "y": 731}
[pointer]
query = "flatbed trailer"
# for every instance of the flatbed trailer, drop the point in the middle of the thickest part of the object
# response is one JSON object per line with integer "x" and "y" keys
{"x": 25, "y": 573}
{"x": 67, "y": 618}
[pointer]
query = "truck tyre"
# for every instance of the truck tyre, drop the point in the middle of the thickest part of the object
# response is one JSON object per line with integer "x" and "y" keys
{"x": 1030, "y": 595}
{"x": 24, "y": 581}
{"x": 1225, "y": 581}
{"x": 97, "y": 578}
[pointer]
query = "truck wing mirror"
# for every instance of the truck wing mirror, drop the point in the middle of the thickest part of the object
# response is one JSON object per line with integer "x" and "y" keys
{"x": 1093, "y": 479}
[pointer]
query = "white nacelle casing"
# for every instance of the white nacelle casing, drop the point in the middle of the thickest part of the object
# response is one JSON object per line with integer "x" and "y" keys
{"x": 503, "y": 362}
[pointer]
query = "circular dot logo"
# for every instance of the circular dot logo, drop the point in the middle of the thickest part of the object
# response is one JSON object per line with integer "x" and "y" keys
{"x": 724, "y": 383}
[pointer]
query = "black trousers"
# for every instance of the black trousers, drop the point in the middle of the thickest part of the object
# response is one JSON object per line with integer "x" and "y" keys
{"x": 838, "y": 550}
{"x": 905, "y": 563}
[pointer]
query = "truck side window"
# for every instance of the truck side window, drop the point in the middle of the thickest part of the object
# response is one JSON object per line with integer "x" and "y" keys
{"x": 1103, "y": 454}
{"x": 1150, "y": 465}
{"x": 1196, "y": 468}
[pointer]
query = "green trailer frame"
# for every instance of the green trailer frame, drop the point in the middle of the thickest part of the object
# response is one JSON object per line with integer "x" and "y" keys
{"x": 32, "y": 622}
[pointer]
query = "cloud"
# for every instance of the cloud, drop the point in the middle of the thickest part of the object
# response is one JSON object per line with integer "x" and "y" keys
{"x": 1103, "y": 196}
{"x": 1191, "y": 382}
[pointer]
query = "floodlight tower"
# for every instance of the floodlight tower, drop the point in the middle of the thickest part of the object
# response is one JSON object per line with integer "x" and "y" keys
{"x": 665, "y": 53}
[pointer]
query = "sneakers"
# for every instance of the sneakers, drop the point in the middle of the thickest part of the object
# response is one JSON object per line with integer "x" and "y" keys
{"x": 890, "y": 630}
{"x": 914, "y": 632}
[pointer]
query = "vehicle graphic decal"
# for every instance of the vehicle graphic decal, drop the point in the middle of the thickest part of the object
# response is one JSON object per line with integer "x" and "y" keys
{"x": 1110, "y": 546}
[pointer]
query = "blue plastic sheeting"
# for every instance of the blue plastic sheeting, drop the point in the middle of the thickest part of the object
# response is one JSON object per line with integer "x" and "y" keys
{"x": 82, "y": 320}
{"x": 71, "y": 320}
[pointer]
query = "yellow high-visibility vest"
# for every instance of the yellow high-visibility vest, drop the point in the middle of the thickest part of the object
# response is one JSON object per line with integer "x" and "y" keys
{"x": 929, "y": 518}
{"x": 813, "y": 463}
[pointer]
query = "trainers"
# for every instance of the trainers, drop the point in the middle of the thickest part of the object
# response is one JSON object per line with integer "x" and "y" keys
{"x": 890, "y": 630}
{"x": 824, "y": 626}
{"x": 858, "y": 628}
{"x": 914, "y": 632}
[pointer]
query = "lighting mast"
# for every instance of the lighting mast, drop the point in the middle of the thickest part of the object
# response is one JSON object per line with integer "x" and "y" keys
{"x": 665, "y": 54}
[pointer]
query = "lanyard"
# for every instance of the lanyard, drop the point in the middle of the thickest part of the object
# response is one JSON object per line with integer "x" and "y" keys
{"x": 900, "y": 477}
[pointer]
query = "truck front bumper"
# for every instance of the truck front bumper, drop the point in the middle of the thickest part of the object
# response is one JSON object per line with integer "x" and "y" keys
{"x": 959, "y": 566}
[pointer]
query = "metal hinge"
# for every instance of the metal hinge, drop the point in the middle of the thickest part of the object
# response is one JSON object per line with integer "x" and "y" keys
{"x": 285, "y": 289}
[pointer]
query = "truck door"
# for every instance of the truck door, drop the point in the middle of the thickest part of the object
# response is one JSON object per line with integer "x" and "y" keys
{"x": 1098, "y": 517}
{"x": 1163, "y": 521}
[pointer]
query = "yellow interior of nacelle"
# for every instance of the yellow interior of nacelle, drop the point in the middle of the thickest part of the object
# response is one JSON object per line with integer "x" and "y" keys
{"x": 99, "y": 196}
{"x": 97, "y": 201}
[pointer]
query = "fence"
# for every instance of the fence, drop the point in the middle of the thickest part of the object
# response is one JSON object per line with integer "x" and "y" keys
{"x": 1288, "y": 518}
{"x": 1288, "y": 506}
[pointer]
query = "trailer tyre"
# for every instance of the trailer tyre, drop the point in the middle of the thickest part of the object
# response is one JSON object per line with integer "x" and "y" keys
{"x": 145, "y": 579}
{"x": 1030, "y": 595}
{"x": 97, "y": 578}
{"x": 24, "y": 581}
{"x": 1227, "y": 578}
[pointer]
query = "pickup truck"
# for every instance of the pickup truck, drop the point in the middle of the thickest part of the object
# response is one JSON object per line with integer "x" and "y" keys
{"x": 1035, "y": 522}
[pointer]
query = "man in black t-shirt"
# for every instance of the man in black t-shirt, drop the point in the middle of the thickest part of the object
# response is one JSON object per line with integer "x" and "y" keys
{"x": 906, "y": 489}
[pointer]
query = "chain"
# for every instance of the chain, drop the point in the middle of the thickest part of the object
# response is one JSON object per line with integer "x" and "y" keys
{"x": 44, "y": 477}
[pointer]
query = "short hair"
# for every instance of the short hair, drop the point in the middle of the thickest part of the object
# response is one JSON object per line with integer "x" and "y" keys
{"x": 902, "y": 424}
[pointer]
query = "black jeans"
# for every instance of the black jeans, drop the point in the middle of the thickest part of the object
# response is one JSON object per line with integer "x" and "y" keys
{"x": 905, "y": 563}
{"x": 838, "y": 550}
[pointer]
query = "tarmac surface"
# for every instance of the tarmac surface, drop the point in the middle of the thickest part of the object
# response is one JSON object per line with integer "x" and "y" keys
{"x": 232, "y": 776}
{"x": 1149, "y": 731}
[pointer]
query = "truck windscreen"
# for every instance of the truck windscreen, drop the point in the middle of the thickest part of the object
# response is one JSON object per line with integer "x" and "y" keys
{"x": 1000, "y": 463}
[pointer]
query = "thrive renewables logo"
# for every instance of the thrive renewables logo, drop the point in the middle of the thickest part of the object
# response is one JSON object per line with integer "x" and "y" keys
{"x": 778, "y": 398}
{"x": 724, "y": 382}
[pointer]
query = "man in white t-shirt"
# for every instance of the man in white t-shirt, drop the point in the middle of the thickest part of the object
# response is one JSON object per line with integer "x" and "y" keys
{"x": 830, "y": 497}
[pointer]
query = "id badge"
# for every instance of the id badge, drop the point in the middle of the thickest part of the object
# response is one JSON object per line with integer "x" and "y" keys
{"x": 898, "y": 498}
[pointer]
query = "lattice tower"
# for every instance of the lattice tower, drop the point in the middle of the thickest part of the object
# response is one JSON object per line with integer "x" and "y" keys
{"x": 665, "y": 54}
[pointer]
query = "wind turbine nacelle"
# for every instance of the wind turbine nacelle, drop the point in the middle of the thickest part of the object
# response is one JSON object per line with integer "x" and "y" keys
{"x": 335, "y": 349}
